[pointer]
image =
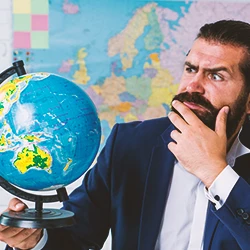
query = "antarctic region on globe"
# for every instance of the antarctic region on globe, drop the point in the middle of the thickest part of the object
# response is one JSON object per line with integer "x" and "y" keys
{"x": 49, "y": 131}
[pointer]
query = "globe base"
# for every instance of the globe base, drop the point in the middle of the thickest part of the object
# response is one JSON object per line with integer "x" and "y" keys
{"x": 31, "y": 218}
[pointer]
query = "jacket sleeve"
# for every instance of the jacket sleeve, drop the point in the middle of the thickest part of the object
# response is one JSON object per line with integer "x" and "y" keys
{"x": 235, "y": 213}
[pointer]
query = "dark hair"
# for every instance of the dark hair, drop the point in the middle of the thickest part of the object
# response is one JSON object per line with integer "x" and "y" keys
{"x": 236, "y": 33}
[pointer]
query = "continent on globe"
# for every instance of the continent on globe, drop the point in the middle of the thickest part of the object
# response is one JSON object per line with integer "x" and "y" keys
{"x": 33, "y": 158}
{"x": 10, "y": 92}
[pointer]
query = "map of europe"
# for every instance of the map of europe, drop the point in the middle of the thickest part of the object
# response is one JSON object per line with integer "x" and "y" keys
{"x": 127, "y": 55}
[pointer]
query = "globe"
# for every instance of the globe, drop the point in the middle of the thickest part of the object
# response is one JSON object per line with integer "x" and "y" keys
{"x": 49, "y": 131}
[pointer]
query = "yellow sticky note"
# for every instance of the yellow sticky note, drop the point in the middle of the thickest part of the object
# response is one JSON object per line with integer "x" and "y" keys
{"x": 21, "y": 6}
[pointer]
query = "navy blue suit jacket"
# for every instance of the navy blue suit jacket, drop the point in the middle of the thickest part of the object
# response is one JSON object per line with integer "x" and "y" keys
{"x": 127, "y": 190}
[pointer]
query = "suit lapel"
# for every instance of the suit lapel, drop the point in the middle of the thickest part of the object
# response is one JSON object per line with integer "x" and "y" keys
{"x": 155, "y": 194}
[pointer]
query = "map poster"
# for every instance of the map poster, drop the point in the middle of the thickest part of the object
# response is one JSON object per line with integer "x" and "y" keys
{"x": 127, "y": 55}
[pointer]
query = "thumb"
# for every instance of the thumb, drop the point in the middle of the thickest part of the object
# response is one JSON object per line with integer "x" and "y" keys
{"x": 16, "y": 205}
{"x": 221, "y": 121}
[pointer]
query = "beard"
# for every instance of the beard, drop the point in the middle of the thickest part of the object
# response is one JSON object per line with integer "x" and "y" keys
{"x": 208, "y": 116}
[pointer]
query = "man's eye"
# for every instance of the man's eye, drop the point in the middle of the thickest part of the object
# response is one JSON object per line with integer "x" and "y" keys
{"x": 189, "y": 70}
{"x": 216, "y": 77}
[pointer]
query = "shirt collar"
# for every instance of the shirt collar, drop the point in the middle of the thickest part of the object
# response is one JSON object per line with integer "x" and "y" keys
{"x": 237, "y": 150}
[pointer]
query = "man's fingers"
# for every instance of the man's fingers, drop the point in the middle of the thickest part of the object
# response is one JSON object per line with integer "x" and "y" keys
{"x": 10, "y": 232}
{"x": 178, "y": 122}
{"x": 221, "y": 121}
{"x": 187, "y": 114}
{"x": 23, "y": 238}
{"x": 16, "y": 205}
{"x": 2, "y": 228}
{"x": 32, "y": 239}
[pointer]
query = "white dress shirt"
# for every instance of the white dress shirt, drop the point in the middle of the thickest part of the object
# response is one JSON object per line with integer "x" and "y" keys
{"x": 186, "y": 208}
{"x": 185, "y": 213}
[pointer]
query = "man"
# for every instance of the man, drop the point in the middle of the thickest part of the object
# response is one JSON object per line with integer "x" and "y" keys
{"x": 174, "y": 183}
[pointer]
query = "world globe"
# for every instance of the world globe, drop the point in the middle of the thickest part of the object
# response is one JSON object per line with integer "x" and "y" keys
{"x": 49, "y": 131}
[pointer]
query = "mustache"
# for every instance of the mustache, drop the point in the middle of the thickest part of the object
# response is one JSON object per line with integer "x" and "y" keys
{"x": 198, "y": 99}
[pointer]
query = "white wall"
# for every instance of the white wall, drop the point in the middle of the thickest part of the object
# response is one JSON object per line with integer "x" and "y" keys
{"x": 5, "y": 34}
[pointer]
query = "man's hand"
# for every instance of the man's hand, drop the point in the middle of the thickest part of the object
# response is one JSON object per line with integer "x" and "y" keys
{"x": 21, "y": 238}
{"x": 200, "y": 150}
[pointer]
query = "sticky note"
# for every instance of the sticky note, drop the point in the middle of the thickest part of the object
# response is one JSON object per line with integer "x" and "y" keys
{"x": 21, "y": 22}
{"x": 39, "y": 39}
{"x": 40, "y": 22}
{"x": 22, "y": 6}
{"x": 21, "y": 40}
{"x": 40, "y": 6}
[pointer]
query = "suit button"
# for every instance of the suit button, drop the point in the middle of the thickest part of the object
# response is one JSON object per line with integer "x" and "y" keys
{"x": 248, "y": 222}
{"x": 217, "y": 197}
{"x": 245, "y": 216}
{"x": 240, "y": 211}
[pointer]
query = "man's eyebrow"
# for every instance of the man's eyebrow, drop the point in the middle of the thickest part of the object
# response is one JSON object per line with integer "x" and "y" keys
{"x": 216, "y": 69}
{"x": 212, "y": 70}
{"x": 189, "y": 64}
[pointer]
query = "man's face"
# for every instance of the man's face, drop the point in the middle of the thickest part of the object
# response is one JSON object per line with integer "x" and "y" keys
{"x": 211, "y": 80}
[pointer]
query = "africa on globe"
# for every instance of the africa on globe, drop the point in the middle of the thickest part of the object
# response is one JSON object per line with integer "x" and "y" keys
{"x": 49, "y": 131}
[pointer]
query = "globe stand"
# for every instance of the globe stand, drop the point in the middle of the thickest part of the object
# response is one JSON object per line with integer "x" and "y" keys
{"x": 38, "y": 217}
{"x": 17, "y": 67}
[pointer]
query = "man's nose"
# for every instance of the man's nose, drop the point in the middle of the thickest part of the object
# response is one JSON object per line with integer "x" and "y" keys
{"x": 195, "y": 85}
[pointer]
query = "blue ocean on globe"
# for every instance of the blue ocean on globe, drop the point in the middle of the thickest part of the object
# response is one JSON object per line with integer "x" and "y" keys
{"x": 49, "y": 131}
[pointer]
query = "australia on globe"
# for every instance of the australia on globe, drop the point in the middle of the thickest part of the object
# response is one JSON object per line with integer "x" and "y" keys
{"x": 49, "y": 131}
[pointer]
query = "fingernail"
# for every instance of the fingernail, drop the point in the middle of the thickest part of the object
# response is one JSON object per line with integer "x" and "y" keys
{"x": 19, "y": 205}
{"x": 174, "y": 102}
{"x": 226, "y": 109}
